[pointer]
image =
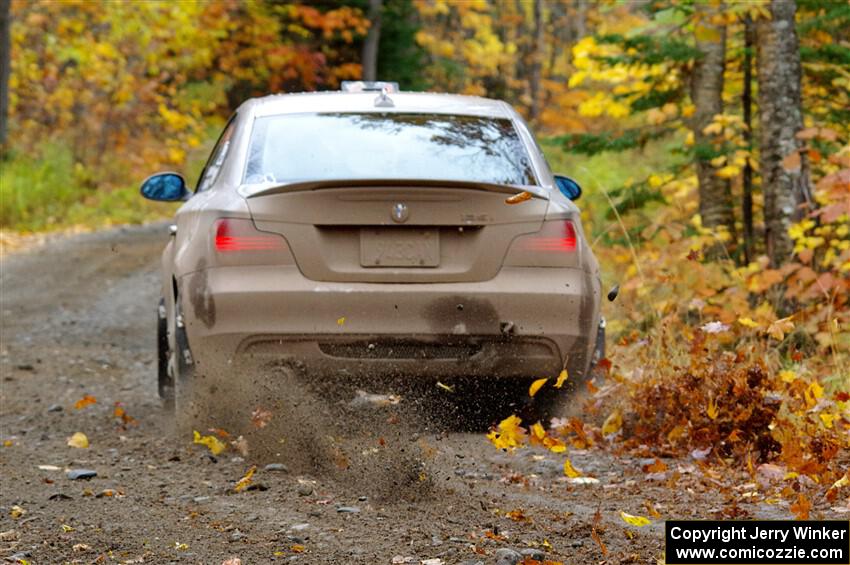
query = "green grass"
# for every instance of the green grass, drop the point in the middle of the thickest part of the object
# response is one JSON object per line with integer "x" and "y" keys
{"x": 46, "y": 190}
{"x": 602, "y": 173}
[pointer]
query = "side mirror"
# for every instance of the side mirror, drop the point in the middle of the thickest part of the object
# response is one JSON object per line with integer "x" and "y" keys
{"x": 568, "y": 187}
{"x": 165, "y": 187}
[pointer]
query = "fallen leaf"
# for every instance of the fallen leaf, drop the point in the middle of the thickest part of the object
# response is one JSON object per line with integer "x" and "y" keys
{"x": 246, "y": 480}
{"x": 801, "y": 507}
{"x": 613, "y": 423}
{"x": 232, "y": 561}
{"x": 779, "y": 328}
{"x": 571, "y": 471}
{"x": 517, "y": 198}
{"x": 66, "y": 528}
{"x": 712, "y": 409}
{"x": 121, "y": 413}
{"x": 80, "y": 547}
{"x": 539, "y": 436}
{"x": 650, "y": 508}
{"x": 340, "y": 321}
{"x": 297, "y": 548}
{"x": 597, "y": 519}
{"x": 445, "y": 387}
{"x": 16, "y": 512}
{"x": 181, "y": 546}
{"x": 562, "y": 378}
{"x": 214, "y": 444}
{"x": 535, "y": 386}
{"x": 260, "y": 417}
{"x": 639, "y": 521}
{"x": 86, "y": 400}
{"x": 78, "y": 440}
{"x": 657, "y": 466}
{"x": 812, "y": 394}
{"x": 509, "y": 434}
{"x": 518, "y": 516}
{"x": 787, "y": 376}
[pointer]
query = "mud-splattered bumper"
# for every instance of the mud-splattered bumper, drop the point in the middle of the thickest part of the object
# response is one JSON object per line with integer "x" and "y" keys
{"x": 524, "y": 322}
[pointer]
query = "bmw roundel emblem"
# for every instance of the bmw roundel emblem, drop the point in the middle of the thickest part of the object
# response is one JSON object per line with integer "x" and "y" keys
{"x": 400, "y": 213}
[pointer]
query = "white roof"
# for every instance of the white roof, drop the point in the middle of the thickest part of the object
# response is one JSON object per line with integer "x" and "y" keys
{"x": 403, "y": 102}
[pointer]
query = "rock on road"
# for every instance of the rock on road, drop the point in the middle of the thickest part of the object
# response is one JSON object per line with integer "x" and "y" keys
{"x": 78, "y": 318}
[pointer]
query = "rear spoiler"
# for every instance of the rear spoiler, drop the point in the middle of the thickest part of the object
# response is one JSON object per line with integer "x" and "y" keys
{"x": 537, "y": 191}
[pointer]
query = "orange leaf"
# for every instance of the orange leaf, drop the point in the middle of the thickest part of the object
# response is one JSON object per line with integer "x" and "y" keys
{"x": 87, "y": 400}
{"x": 792, "y": 162}
{"x": 517, "y": 198}
{"x": 657, "y": 467}
{"x": 597, "y": 518}
{"x": 801, "y": 507}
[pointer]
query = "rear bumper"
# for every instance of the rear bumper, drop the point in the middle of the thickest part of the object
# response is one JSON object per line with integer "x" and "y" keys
{"x": 523, "y": 322}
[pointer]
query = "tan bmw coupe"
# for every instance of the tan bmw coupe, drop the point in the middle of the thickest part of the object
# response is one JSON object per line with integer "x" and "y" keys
{"x": 373, "y": 234}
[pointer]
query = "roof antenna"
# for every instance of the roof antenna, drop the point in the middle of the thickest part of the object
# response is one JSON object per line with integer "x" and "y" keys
{"x": 383, "y": 100}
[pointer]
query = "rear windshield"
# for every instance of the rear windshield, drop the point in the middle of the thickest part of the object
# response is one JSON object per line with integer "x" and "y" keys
{"x": 335, "y": 146}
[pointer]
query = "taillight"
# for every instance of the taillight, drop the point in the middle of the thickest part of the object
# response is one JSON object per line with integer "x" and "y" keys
{"x": 556, "y": 237}
{"x": 235, "y": 235}
{"x": 555, "y": 245}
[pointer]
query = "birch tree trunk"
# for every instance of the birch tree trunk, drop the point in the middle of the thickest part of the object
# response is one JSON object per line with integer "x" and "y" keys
{"x": 784, "y": 169}
{"x": 373, "y": 39}
{"x": 715, "y": 194}
{"x": 537, "y": 54}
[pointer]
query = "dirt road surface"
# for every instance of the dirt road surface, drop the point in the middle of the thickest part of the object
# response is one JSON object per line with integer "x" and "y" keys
{"x": 78, "y": 318}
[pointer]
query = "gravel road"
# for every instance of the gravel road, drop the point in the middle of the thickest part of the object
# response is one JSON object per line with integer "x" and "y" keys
{"x": 78, "y": 318}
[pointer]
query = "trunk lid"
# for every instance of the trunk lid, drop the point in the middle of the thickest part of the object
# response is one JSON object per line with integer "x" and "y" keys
{"x": 397, "y": 231}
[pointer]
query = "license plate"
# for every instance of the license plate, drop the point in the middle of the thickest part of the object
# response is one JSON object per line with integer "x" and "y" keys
{"x": 399, "y": 247}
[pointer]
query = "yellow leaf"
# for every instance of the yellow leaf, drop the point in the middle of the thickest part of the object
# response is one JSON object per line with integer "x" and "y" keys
{"x": 297, "y": 548}
{"x": 812, "y": 394}
{"x": 535, "y": 386}
{"x": 727, "y": 172}
{"x": 562, "y": 378}
{"x": 85, "y": 401}
{"x": 517, "y": 198}
{"x": 78, "y": 440}
{"x": 712, "y": 409}
{"x": 827, "y": 420}
{"x": 613, "y": 423}
{"x": 779, "y": 328}
{"x": 842, "y": 482}
{"x": 66, "y": 528}
{"x": 245, "y": 481}
{"x": 571, "y": 471}
{"x": 214, "y": 444}
{"x": 509, "y": 434}
{"x": 787, "y": 376}
{"x": 445, "y": 387}
{"x": 748, "y": 322}
{"x": 639, "y": 521}
{"x": 340, "y": 321}
{"x": 16, "y": 512}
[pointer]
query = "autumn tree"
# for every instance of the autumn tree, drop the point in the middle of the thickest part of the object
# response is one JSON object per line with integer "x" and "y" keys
{"x": 5, "y": 68}
{"x": 784, "y": 169}
{"x": 715, "y": 193}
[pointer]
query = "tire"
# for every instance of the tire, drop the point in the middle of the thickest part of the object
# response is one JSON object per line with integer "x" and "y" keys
{"x": 184, "y": 369}
{"x": 165, "y": 382}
